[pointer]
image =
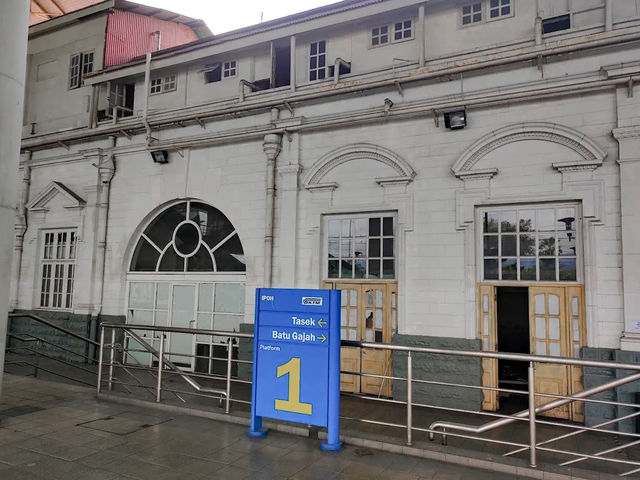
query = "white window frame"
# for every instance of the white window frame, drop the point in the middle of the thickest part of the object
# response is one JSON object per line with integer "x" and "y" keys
{"x": 412, "y": 29}
{"x": 366, "y": 278}
{"x": 229, "y": 69}
{"x": 318, "y": 55}
{"x": 499, "y": 8}
{"x": 164, "y": 84}
{"x": 579, "y": 256}
{"x": 55, "y": 255}
{"x": 379, "y": 35}
{"x": 472, "y": 13}
{"x": 83, "y": 64}
{"x": 485, "y": 12}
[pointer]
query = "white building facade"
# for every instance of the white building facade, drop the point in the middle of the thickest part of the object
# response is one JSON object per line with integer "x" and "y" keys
{"x": 326, "y": 150}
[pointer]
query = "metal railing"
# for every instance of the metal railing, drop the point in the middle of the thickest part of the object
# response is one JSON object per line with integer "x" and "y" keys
{"x": 535, "y": 432}
{"x": 444, "y": 428}
{"x": 165, "y": 365}
{"x": 29, "y": 352}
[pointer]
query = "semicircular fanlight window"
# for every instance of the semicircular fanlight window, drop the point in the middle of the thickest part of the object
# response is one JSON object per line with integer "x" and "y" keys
{"x": 189, "y": 237}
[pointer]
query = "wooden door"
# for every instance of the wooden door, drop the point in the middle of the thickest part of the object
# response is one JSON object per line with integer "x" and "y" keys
{"x": 548, "y": 327}
{"x": 368, "y": 313}
{"x": 577, "y": 338}
{"x": 487, "y": 332}
{"x": 349, "y": 330}
{"x": 376, "y": 328}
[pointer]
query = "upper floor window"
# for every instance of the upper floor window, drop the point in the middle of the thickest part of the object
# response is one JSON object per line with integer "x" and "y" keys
{"x": 402, "y": 30}
{"x": 80, "y": 64}
{"x": 394, "y": 32}
{"x": 499, "y": 8}
{"x": 472, "y": 13}
{"x": 318, "y": 60}
{"x": 58, "y": 260}
{"x": 229, "y": 69}
{"x": 530, "y": 243}
{"x": 485, "y": 10}
{"x": 162, "y": 84}
{"x": 361, "y": 247}
{"x": 380, "y": 35}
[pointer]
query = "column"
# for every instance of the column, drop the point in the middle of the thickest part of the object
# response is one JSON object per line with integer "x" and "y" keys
{"x": 287, "y": 212}
{"x": 629, "y": 161}
{"x": 20, "y": 229}
{"x": 14, "y": 21}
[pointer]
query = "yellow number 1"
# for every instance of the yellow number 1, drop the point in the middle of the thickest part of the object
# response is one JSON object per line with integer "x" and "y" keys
{"x": 293, "y": 404}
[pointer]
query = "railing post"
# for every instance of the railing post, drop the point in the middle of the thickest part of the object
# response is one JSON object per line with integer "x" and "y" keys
{"x": 112, "y": 357}
{"x": 229, "y": 358}
{"x": 409, "y": 398}
{"x": 160, "y": 365}
{"x": 532, "y": 416}
{"x": 100, "y": 357}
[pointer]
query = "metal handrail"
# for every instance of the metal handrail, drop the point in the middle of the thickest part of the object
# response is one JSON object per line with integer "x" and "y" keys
{"x": 498, "y": 420}
{"x": 163, "y": 361}
{"x": 497, "y": 355}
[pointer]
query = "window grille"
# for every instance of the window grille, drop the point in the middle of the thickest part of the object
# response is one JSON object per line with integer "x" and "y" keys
{"x": 58, "y": 269}
{"x": 318, "y": 60}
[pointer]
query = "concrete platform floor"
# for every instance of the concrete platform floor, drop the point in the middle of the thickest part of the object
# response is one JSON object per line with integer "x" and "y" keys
{"x": 52, "y": 430}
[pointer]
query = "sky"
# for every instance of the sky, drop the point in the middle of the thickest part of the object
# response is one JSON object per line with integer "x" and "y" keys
{"x": 225, "y": 15}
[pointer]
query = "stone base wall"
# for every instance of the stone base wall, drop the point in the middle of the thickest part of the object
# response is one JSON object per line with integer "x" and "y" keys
{"x": 82, "y": 325}
{"x": 442, "y": 368}
{"x": 596, "y": 413}
{"x": 245, "y": 352}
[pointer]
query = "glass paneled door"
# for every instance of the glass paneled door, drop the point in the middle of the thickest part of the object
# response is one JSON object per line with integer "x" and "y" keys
{"x": 368, "y": 314}
{"x": 183, "y": 315}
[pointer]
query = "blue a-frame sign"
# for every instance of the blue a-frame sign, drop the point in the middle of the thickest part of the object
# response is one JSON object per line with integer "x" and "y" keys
{"x": 296, "y": 360}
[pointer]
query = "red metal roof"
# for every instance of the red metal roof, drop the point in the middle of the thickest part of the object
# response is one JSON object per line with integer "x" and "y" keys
{"x": 130, "y": 35}
{"x": 43, "y": 10}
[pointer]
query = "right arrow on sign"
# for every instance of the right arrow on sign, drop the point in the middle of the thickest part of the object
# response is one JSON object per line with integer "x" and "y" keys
{"x": 322, "y": 338}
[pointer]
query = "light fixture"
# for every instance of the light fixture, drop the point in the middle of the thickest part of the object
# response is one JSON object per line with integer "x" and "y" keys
{"x": 455, "y": 119}
{"x": 160, "y": 156}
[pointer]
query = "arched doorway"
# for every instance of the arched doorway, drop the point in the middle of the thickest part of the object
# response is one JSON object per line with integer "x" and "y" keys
{"x": 187, "y": 270}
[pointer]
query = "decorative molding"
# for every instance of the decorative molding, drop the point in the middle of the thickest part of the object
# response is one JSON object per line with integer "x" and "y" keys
{"x": 482, "y": 174}
{"x": 322, "y": 187}
{"x": 357, "y": 151}
{"x": 549, "y": 132}
{"x": 50, "y": 191}
{"x": 392, "y": 181}
{"x": 563, "y": 167}
{"x": 626, "y": 132}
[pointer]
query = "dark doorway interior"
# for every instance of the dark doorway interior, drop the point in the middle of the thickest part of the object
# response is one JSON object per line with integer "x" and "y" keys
{"x": 513, "y": 335}
{"x": 282, "y": 66}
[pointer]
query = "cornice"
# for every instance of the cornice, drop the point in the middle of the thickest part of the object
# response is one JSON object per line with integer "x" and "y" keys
{"x": 622, "y": 133}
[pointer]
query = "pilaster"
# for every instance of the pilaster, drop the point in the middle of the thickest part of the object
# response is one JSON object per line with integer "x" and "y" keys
{"x": 629, "y": 161}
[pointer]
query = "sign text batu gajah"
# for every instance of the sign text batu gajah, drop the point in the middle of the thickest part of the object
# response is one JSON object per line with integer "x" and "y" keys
{"x": 296, "y": 369}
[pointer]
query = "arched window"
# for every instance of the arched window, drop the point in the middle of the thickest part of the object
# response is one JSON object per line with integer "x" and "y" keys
{"x": 187, "y": 271}
{"x": 189, "y": 237}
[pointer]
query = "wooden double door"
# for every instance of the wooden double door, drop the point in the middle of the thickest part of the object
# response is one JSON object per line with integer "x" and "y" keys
{"x": 556, "y": 327}
{"x": 368, "y": 313}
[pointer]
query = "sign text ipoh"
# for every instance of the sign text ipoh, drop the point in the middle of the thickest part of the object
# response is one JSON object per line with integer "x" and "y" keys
{"x": 296, "y": 369}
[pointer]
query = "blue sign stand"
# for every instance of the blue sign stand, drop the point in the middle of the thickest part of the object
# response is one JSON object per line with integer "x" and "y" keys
{"x": 296, "y": 366}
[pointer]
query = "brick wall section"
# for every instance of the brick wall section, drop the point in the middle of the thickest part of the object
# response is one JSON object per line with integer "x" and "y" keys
{"x": 443, "y": 368}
